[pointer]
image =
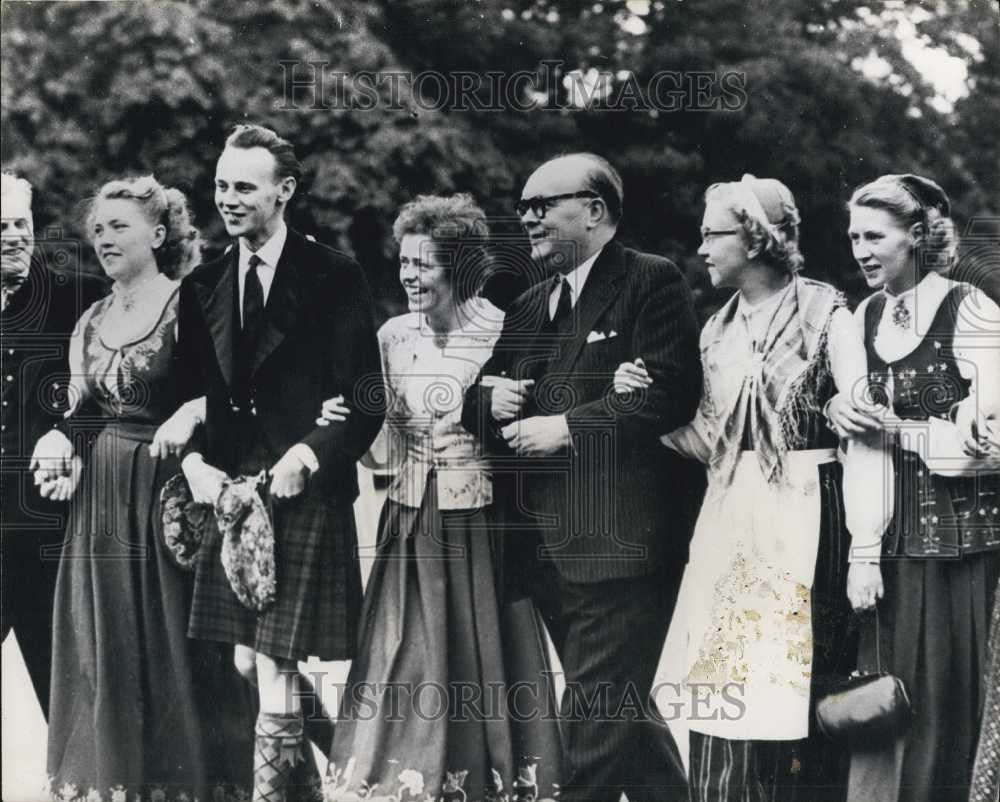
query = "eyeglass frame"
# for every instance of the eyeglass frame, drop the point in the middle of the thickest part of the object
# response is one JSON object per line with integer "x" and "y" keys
{"x": 546, "y": 202}
{"x": 717, "y": 232}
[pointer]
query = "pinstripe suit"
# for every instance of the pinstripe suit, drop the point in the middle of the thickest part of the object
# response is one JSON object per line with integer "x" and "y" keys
{"x": 598, "y": 533}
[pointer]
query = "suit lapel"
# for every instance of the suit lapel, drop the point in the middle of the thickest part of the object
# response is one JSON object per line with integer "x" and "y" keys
{"x": 220, "y": 313}
{"x": 602, "y": 288}
{"x": 283, "y": 301}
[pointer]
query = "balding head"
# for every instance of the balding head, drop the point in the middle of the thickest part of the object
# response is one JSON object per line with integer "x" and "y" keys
{"x": 17, "y": 234}
{"x": 583, "y": 213}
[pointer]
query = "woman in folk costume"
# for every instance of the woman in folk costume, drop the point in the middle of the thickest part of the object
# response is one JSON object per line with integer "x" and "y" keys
{"x": 431, "y": 703}
{"x": 764, "y": 586}
{"x": 932, "y": 345}
{"x": 137, "y": 709}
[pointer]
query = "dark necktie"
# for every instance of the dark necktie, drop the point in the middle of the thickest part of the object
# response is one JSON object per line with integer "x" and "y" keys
{"x": 253, "y": 299}
{"x": 253, "y": 313}
{"x": 565, "y": 305}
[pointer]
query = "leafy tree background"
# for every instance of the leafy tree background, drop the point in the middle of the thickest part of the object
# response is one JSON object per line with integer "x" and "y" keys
{"x": 92, "y": 91}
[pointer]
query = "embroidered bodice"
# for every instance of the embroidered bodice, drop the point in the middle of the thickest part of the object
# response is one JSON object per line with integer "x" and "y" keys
{"x": 131, "y": 378}
{"x": 426, "y": 377}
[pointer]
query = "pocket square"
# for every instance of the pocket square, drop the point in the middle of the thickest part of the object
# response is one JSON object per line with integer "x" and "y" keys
{"x": 597, "y": 336}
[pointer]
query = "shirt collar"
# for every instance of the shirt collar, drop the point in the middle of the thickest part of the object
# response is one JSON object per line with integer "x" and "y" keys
{"x": 577, "y": 277}
{"x": 269, "y": 253}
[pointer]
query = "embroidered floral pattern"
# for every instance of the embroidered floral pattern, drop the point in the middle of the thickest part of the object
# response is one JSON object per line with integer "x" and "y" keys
{"x": 426, "y": 382}
{"x": 411, "y": 787}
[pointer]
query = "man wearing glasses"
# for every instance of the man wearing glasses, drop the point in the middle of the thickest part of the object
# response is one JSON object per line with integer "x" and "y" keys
{"x": 597, "y": 514}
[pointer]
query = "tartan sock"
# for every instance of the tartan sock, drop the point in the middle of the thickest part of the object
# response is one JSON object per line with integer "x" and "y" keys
{"x": 278, "y": 748}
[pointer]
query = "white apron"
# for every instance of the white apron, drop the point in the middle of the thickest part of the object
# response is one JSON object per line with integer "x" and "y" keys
{"x": 747, "y": 592}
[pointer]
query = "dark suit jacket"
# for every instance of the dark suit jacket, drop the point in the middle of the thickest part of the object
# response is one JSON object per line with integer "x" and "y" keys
{"x": 34, "y": 332}
{"x": 618, "y": 503}
{"x": 318, "y": 341}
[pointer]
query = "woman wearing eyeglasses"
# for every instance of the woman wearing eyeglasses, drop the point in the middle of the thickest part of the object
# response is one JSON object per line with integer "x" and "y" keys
{"x": 764, "y": 586}
{"x": 932, "y": 345}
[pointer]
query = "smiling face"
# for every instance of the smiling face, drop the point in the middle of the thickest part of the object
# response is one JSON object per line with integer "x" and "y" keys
{"x": 427, "y": 284}
{"x": 883, "y": 248}
{"x": 249, "y": 195}
{"x": 124, "y": 238}
{"x": 723, "y": 244}
{"x": 17, "y": 232}
{"x": 562, "y": 239}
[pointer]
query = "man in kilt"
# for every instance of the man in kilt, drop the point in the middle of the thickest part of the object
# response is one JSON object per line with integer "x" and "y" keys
{"x": 266, "y": 332}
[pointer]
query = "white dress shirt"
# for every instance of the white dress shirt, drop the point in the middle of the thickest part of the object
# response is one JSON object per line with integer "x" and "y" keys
{"x": 577, "y": 277}
{"x": 269, "y": 253}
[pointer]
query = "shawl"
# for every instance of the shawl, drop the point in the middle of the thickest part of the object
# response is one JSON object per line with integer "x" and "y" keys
{"x": 783, "y": 382}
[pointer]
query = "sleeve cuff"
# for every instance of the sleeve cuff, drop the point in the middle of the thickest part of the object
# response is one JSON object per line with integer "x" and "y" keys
{"x": 190, "y": 459}
{"x": 306, "y": 455}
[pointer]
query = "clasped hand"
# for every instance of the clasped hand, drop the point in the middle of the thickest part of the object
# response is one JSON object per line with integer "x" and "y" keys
{"x": 56, "y": 468}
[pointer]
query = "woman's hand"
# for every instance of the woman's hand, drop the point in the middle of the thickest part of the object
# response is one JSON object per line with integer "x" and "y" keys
{"x": 334, "y": 409}
{"x": 631, "y": 377}
{"x": 52, "y": 457}
{"x": 174, "y": 433}
{"x": 849, "y": 419}
{"x": 864, "y": 585}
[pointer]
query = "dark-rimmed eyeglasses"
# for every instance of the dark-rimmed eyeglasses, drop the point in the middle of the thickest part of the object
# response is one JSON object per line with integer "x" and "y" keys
{"x": 708, "y": 233}
{"x": 540, "y": 204}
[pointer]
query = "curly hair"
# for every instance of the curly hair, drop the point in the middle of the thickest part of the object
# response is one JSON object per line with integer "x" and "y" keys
{"x": 166, "y": 206}
{"x": 458, "y": 225}
{"x": 776, "y": 243}
{"x": 915, "y": 201}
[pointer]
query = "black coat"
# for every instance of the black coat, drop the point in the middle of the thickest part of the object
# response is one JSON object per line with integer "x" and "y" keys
{"x": 618, "y": 503}
{"x": 318, "y": 341}
{"x": 34, "y": 334}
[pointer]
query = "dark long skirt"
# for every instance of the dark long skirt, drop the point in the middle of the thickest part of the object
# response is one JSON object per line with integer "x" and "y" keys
{"x": 934, "y": 624}
{"x": 135, "y": 704}
{"x": 434, "y": 687}
{"x": 986, "y": 774}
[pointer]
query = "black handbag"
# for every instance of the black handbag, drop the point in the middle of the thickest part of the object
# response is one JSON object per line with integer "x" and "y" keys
{"x": 867, "y": 708}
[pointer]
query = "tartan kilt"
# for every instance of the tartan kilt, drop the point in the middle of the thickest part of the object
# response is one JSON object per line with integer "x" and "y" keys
{"x": 318, "y": 602}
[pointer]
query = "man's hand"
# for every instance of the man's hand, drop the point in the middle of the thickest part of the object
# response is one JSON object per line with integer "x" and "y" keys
{"x": 864, "y": 585}
{"x": 537, "y": 436}
{"x": 174, "y": 433}
{"x": 52, "y": 457}
{"x": 204, "y": 480}
{"x": 63, "y": 488}
{"x": 508, "y": 397}
{"x": 288, "y": 476}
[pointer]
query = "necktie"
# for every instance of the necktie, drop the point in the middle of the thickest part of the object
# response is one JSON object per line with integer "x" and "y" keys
{"x": 253, "y": 313}
{"x": 253, "y": 299}
{"x": 565, "y": 306}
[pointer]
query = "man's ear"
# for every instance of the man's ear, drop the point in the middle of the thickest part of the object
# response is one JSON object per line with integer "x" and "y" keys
{"x": 286, "y": 188}
{"x": 597, "y": 212}
{"x": 916, "y": 232}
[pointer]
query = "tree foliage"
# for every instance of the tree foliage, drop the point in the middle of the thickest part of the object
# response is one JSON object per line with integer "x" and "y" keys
{"x": 91, "y": 91}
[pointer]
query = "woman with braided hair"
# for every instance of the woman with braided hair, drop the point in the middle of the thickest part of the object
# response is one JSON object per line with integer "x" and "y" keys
{"x": 931, "y": 345}
{"x": 135, "y": 706}
{"x": 765, "y": 584}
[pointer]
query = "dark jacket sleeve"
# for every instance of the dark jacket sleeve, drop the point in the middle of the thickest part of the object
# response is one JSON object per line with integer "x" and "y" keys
{"x": 665, "y": 336}
{"x": 355, "y": 369}
{"x": 188, "y": 366}
{"x": 477, "y": 415}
